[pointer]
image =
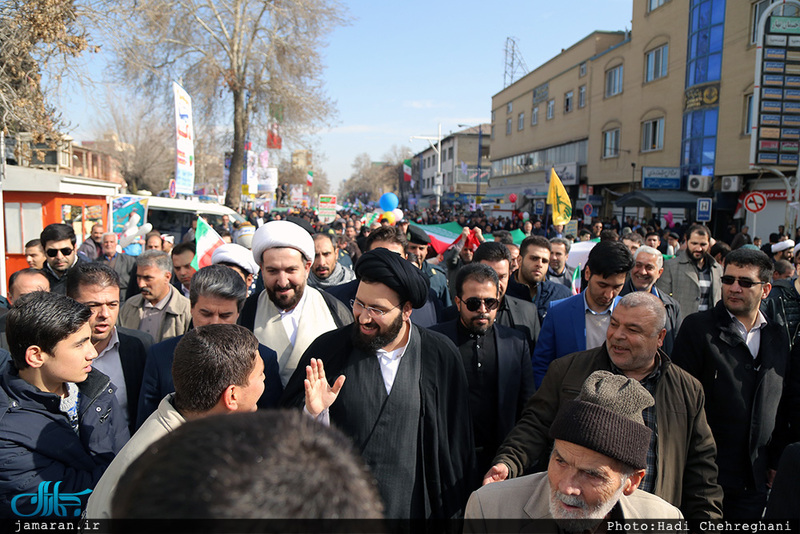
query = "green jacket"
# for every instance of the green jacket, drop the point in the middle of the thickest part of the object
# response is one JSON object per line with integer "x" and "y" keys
{"x": 687, "y": 472}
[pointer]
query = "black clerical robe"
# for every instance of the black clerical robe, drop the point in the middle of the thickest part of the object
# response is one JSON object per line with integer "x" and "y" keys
{"x": 444, "y": 431}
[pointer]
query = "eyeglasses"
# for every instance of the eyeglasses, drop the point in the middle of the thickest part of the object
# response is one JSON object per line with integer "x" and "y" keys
{"x": 53, "y": 252}
{"x": 745, "y": 283}
{"x": 373, "y": 312}
{"x": 474, "y": 303}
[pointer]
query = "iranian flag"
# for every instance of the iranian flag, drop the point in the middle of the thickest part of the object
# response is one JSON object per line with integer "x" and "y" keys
{"x": 207, "y": 240}
{"x": 310, "y": 178}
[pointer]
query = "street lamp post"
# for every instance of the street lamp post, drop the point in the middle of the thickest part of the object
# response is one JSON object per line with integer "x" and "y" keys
{"x": 437, "y": 181}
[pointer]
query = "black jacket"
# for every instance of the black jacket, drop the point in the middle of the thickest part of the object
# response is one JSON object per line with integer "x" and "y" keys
{"x": 514, "y": 373}
{"x": 38, "y": 444}
{"x": 133, "y": 346}
{"x": 748, "y": 408}
{"x": 547, "y": 292}
{"x": 445, "y": 429}
{"x": 514, "y": 313}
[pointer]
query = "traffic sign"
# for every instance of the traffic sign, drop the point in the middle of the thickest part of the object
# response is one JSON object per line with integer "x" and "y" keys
{"x": 755, "y": 202}
{"x": 703, "y": 209}
{"x": 173, "y": 188}
{"x": 538, "y": 207}
{"x": 588, "y": 209}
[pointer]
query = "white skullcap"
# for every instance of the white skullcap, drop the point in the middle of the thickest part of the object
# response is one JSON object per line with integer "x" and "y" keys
{"x": 282, "y": 234}
{"x": 236, "y": 254}
{"x": 782, "y": 245}
{"x": 796, "y": 248}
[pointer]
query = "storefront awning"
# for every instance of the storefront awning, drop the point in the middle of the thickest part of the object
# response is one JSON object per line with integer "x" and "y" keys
{"x": 658, "y": 199}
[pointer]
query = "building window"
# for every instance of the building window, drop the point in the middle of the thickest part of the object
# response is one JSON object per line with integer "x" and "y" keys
{"x": 611, "y": 143}
{"x": 535, "y": 116}
{"x": 655, "y": 4}
{"x": 551, "y": 108}
{"x": 508, "y": 126}
{"x": 748, "y": 114}
{"x": 450, "y": 153}
{"x": 653, "y": 135}
{"x": 758, "y": 10}
{"x": 582, "y": 70}
{"x": 581, "y": 96}
{"x": 699, "y": 142}
{"x": 568, "y": 101}
{"x": 521, "y": 121}
{"x": 509, "y": 107}
{"x": 492, "y": 131}
{"x": 614, "y": 81}
{"x": 493, "y": 116}
{"x": 656, "y": 62}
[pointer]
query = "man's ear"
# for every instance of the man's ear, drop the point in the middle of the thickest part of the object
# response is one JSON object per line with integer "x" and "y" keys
{"x": 407, "y": 308}
{"x": 228, "y": 399}
{"x": 633, "y": 481}
{"x": 34, "y": 356}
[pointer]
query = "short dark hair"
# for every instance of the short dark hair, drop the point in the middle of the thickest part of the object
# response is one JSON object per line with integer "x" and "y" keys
{"x": 609, "y": 234}
{"x": 584, "y": 231}
{"x": 653, "y": 232}
{"x": 27, "y": 271}
{"x": 720, "y": 247}
{"x": 783, "y": 267}
{"x": 747, "y": 257}
{"x": 533, "y": 241}
{"x": 325, "y": 235}
{"x": 34, "y": 243}
{"x": 276, "y": 464}
{"x": 57, "y": 232}
{"x": 608, "y": 258}
{"x": 634, "y": 237}
{"x": 503, "y": 236}
{"x": 389, "y": 234}
{"x": 561, "y": 241}
{"x": 42, "y": 319}
{"x": 475, "y": 271}
{"x": 698, "y": 228}
{"x": 218, "y": 281}
{"x": 208, "y": 360}
{"x": 180, "y": 248}
{"x": 90, "y": 274}
{"x": 491, "y": 251}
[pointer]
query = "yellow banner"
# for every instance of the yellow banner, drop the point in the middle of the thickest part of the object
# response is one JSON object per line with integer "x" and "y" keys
{"x": 559, "y": 200}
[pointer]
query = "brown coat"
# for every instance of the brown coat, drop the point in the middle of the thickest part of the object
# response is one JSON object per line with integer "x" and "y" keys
{"x": 687, "y": 472}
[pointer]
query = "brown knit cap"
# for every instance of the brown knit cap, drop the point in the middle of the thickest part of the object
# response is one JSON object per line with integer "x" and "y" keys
{"x": 606, "y": 417}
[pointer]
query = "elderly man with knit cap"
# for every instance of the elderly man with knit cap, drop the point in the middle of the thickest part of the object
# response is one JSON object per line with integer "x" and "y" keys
{"x": 404, "y": 401}
{"x": 598, "y": 459}
{"x": 288, "y": 315}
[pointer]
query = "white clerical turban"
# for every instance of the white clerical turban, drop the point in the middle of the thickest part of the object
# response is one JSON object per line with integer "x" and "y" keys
{"x": 282, "y": 234}
{"x": 236, "y": 254}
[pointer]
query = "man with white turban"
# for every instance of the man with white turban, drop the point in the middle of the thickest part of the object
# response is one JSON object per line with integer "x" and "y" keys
{"x": 288, "y": 315}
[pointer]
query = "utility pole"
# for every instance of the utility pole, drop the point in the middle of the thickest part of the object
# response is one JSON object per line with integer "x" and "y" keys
{"x": 437, "y": 180}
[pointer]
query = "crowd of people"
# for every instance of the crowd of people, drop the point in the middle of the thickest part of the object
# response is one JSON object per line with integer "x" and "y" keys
{"x": 657, "y": 378}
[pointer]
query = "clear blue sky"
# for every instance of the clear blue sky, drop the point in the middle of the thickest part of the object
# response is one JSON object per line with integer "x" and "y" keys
{"x": 400, "y": 68}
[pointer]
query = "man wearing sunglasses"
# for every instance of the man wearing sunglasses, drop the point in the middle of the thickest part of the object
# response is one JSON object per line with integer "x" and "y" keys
{"x": 742, "y": 360}
{"x": 497, "y": 360}
{"x": 58, "y": 241}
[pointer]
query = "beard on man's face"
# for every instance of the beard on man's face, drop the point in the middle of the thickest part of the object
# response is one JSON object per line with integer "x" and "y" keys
{"x": 286, "y": 297}
{"x": 370, "y": 343}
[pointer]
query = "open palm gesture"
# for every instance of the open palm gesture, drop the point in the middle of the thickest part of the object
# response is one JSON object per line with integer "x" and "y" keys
{"x": 320, "y": 395}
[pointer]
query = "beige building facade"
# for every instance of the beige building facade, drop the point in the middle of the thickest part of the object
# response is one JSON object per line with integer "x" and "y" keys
{"x": 662, "y": 111}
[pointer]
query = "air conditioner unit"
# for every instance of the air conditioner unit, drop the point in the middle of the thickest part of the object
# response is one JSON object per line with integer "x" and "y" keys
{"x": 698, "y": 183}
{"x": 731, "y": 184}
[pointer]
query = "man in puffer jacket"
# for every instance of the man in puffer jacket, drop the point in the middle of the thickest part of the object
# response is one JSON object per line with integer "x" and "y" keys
{"x": 60, "y": 423}
{"x": 782, "y": 305}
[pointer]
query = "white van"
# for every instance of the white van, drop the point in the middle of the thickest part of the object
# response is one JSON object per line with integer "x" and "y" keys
{"x": 174, "y": 216}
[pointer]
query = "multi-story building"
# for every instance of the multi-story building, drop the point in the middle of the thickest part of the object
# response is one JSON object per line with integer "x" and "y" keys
{"x": 459, "y": 168}
{"x": 649, "y": 120}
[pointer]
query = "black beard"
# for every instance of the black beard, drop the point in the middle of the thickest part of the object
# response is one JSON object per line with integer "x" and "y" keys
{"x": 290, "y": 303}
{"x": 371, "y": 344}
{"x": 478, "y": 330}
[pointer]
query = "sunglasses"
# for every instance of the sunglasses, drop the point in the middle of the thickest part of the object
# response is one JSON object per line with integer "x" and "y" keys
{"x": 474, "y": 303}
{"x": 745, "y": 283}
{"x": 53, "y": 252}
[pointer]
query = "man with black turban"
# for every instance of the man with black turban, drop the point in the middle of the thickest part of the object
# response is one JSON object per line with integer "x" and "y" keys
{"x": 404, "y": 403}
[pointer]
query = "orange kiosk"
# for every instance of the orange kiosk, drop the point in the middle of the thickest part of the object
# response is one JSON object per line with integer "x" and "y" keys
{"x": 34, "y": 198}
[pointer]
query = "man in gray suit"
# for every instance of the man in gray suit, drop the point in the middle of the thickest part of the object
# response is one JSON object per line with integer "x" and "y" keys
{"x": 693, "y": 277}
